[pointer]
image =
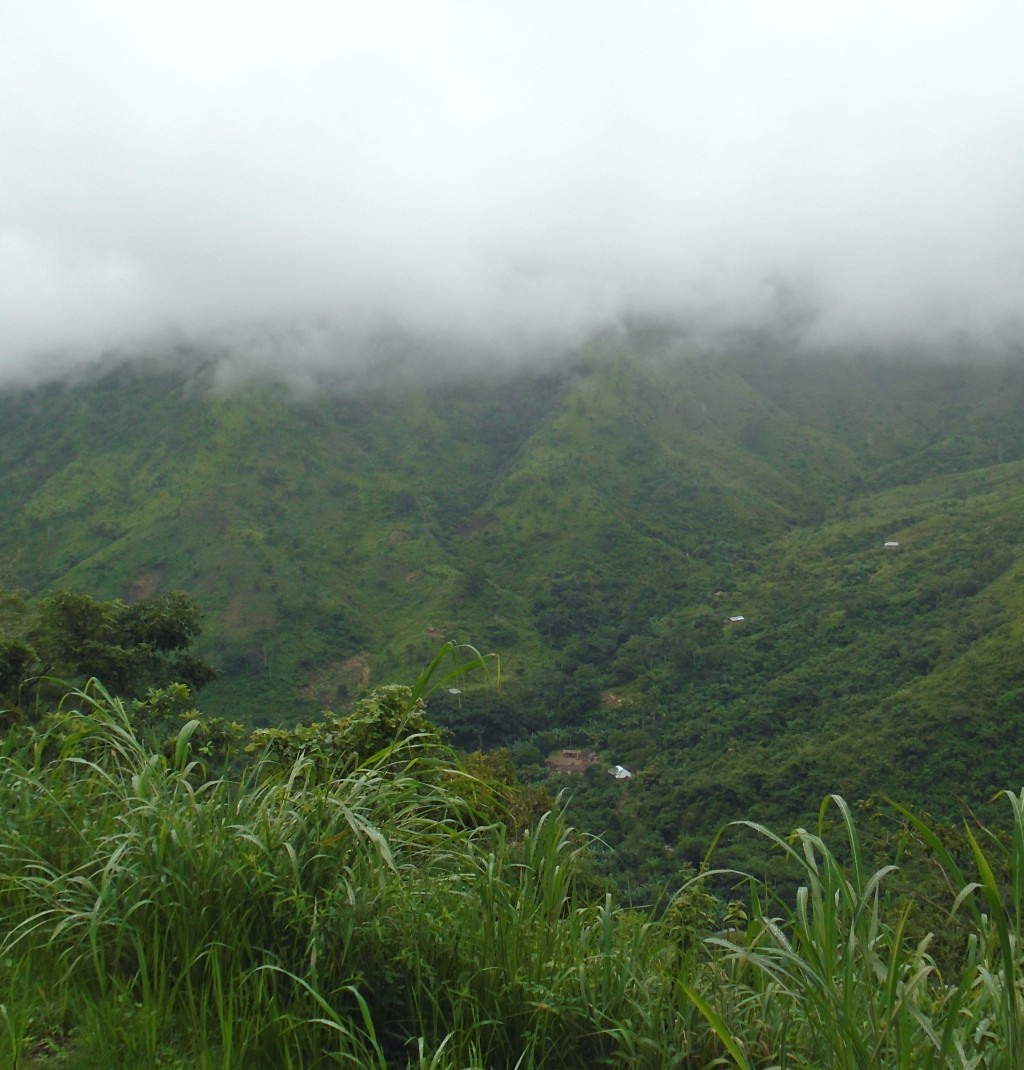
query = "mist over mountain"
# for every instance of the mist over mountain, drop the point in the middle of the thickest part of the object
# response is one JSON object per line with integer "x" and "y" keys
{"x": 505, "y": 178}
{"x": 578, "y": 332}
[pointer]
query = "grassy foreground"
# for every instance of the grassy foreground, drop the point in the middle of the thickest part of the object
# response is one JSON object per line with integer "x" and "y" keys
{"x": 380, "y": 913}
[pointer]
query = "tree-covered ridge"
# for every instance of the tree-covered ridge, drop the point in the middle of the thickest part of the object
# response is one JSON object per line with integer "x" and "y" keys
{"x": 597, "y": 524}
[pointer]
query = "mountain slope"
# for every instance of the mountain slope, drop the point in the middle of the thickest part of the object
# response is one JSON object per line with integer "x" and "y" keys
{"x": 597, "y": 524}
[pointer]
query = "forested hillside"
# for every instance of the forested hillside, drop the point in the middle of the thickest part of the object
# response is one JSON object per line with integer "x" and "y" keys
{"x": 598, "y": 523}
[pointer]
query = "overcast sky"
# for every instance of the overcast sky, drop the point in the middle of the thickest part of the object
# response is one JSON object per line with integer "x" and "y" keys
{"x": 521, "y": 170}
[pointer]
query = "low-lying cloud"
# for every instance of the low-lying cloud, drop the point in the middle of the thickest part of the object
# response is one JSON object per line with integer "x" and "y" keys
{"x": 513, "y": 174}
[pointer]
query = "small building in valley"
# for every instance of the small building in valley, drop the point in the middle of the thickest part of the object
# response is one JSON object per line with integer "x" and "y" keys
{"x": 572, "y": 761}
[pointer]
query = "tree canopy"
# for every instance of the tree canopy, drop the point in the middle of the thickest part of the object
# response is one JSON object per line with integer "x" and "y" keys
{"x": 68, "y": 637}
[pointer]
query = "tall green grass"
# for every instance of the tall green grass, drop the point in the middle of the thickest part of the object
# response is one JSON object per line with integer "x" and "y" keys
{"x": 834, "y": 979}
{"x": 370, "y": 916}
{"x": 380, "y": 914}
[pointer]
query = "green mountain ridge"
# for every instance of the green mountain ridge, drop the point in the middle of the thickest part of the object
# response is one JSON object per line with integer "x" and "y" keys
{"x": 596, "y": 524}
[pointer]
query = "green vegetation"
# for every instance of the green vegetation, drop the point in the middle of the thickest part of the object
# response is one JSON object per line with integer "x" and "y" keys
{"x": 319, "y": 909}
{"x": 598, "y": 524}
{"x": 68, "y": 637}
